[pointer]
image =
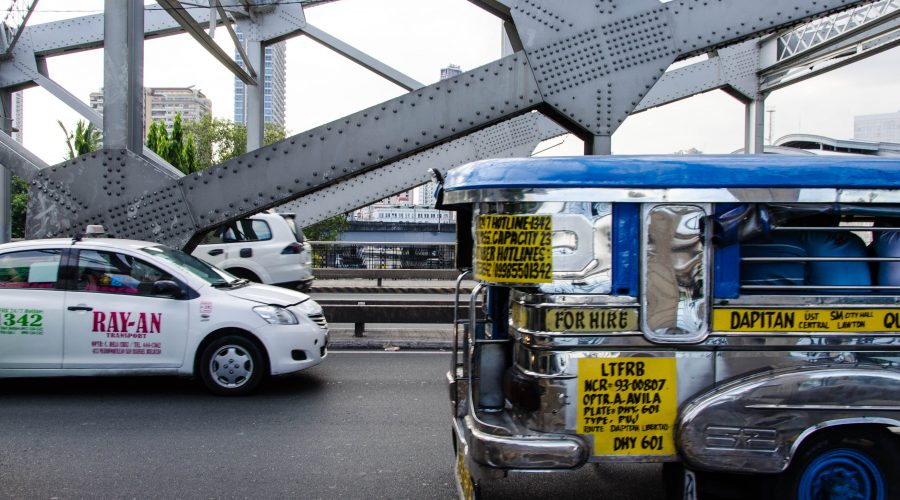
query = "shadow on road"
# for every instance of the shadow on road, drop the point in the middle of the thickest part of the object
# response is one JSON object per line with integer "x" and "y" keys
{"x": 293, "y": 385}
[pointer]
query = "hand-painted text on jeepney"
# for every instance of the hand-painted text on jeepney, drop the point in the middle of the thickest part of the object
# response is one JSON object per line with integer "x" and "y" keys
{"x": 628, "y": 405}
{"x": 851, "y": 320}
{"x": 514, "y": 248}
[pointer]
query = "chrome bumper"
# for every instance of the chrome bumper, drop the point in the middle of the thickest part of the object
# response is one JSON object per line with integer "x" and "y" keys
{"x": 484, "y": 449}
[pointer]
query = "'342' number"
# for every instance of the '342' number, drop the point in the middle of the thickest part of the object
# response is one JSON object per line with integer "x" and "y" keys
{"x": 10, "y": 319}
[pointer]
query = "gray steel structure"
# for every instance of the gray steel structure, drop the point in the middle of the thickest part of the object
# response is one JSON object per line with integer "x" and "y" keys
{"x": 587, "y": 64}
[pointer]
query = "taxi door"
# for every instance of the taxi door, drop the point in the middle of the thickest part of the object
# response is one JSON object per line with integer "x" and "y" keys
{"x": 114, "y": 319}
{"x": 31, "y": 309}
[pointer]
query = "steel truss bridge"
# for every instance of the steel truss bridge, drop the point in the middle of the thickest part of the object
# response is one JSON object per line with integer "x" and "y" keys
{"x": 579, "y": 66}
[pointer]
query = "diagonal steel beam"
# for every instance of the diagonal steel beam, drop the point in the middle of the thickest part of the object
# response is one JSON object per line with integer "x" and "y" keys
{"x": 516, "y": 137}
{"x": 361, "y": 58}
{"x": 189, "y": 24}
{"x": 14, "y": 23}
{"x": 732, "y": 69}
{"x": 795, "y": 43}
{"x": 86, "y": 32}
{"x": 585, "y": 63}
{"x": 234, "y": 38}
{"x": 860, "y": 44}
{"x": 18, "y": 159}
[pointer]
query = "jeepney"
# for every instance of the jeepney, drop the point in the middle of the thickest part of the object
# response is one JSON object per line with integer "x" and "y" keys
{"x": 718, "y": 314}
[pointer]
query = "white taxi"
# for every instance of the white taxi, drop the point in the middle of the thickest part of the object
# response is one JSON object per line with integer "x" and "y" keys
{"x": 100, "y": 306}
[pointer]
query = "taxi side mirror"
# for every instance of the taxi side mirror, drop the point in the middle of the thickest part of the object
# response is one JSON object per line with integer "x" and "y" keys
{"x": 168, "y": 288}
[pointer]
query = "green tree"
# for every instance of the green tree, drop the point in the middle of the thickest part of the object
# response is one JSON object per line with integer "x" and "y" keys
{"x": 328, "y": 229}
{"x": 218, "y": 140}
{"x": 175, "y": 147}
{"x": 178, "y": 149}
{"x": 85, "y": 139}
{"x": 272, "y": 133}
{"x": 18, "y": 206}
{"x": 157, "y": 140}
{"x": 190, "y": 153}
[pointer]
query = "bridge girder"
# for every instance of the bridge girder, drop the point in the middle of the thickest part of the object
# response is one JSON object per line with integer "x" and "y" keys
{"x": 585, "y": 63}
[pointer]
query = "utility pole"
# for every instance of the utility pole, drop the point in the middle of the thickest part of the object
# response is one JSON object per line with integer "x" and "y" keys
{"x": 770, "y": 111}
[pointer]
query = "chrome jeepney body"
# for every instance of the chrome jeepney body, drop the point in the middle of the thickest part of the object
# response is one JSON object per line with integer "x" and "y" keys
{"x": 629, "y": 333}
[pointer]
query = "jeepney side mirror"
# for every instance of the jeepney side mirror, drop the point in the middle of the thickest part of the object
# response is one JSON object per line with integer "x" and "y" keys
{"x": 675, "y": 291}
{"x": 465, "y": 244}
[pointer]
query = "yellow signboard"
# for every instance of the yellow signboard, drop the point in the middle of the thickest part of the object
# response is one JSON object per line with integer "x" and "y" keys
{"x": 628, "y": 404}
{"x": 514, "y": 249}
{"x": 579, "y": 320}
{"x": 806, "y": 320}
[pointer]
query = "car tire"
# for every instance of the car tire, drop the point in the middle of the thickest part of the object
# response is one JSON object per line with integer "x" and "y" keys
{"x": 843, "y": 463}
{"x": 232, "y": 366}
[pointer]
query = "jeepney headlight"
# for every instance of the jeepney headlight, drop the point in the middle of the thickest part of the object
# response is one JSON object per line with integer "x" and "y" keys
{"x": 276, "y": 315}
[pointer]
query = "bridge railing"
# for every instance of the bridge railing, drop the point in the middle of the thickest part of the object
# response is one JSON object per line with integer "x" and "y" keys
{"x": 386, "y": 260}
{"x": 383, "y": 255}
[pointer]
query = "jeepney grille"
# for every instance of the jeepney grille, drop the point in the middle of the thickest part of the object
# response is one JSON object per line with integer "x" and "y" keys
{"x": 319, "y": 319}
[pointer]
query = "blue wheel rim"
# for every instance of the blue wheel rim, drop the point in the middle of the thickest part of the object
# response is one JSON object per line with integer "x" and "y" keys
{"x": 842, "y": 474}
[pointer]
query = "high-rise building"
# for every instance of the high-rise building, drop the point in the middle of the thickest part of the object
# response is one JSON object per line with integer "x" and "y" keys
{"x": 163, "y": 103}
{"x": 450, "y": 71}
{"x": 884, "y": 127}
{"x": 273, "y": 85}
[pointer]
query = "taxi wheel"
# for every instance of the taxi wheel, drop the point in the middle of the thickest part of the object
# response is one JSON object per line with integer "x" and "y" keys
{"x": 232, "y": 366}
{"x": 855, "y": 463}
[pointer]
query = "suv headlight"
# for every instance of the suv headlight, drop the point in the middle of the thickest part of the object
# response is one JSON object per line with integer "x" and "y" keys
{"x": 276, "y": 315}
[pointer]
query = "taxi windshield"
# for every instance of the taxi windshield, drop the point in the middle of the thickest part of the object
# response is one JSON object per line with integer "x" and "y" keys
{"x": 193, "y": 265}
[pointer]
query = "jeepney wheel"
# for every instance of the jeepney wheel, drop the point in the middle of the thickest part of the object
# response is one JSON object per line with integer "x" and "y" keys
{"x": 232, "y": 366}
{"x": 844, "y": 464}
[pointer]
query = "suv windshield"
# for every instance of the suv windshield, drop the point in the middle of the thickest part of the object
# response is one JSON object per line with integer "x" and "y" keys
{"x": 193, "y": 265}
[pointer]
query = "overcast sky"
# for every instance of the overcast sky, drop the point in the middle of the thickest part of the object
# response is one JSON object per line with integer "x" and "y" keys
{"x": 418, "y": 37}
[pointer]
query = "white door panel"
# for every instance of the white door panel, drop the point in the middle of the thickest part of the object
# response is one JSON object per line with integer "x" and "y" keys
{"x": 31, "y": 310}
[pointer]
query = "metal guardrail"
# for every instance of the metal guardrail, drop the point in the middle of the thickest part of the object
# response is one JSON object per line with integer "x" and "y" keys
{"x": 360, "y": 312}
{"x": 383, "y": 255}
{"x": 380, "y": 261}
{"x": 383, "y": 274}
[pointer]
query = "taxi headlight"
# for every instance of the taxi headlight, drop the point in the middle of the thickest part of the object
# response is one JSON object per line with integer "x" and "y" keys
{"x": 276, "y": 315}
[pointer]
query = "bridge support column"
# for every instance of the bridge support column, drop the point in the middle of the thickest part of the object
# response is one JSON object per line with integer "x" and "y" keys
{"x": 6, "y": 121}
{"x": 255, "y": 96}
{"x": 598, "y": 145}
{"x": 123, "y": 75}
{"x": 754, "y": 125}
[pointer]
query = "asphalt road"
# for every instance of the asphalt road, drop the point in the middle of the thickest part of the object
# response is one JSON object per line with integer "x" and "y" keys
{"x": 361, "y": 425}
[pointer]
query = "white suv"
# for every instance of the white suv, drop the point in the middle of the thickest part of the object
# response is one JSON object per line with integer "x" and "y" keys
{"x": 266, "y": 248}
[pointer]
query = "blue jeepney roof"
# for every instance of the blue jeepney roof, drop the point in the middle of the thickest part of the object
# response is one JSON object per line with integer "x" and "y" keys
{"x": 663, "y": 172}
